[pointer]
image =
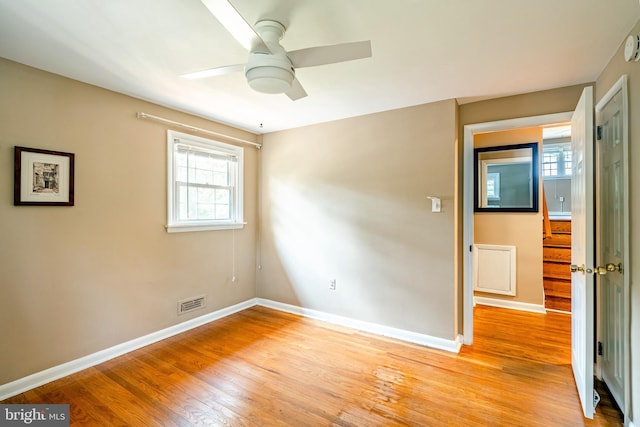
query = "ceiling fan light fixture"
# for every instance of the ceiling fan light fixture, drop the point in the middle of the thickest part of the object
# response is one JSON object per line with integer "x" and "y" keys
{"x": 269, "y": 73}
{"x": 270, "y": 79}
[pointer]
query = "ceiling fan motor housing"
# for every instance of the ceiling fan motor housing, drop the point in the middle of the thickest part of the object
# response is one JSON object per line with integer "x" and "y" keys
{"x": 269, "y": 73}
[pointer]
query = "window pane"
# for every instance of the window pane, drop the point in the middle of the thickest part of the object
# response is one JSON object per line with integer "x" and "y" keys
{"x": 206, "y": 195}
{"x": 223, "y": 196}
{"x": 220, "y": 178}
{"x": 192, "y": 203}
{"x": 202, "y": 161}
{"x": 206, "y": 211}
{"x": 220, "y": 166}
{"x": 568, "y": 162}
{"x": 180, "y": 158}
{"x": 550, "y": 164}
{"x": 181, "y": 173}
{"x": 203, "y": 176}
{"x": 222, "y": 212}
{"x": 203, "y": 203}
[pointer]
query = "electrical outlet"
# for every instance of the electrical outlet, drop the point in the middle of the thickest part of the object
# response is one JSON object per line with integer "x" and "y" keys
{"x": 332, "y": 284}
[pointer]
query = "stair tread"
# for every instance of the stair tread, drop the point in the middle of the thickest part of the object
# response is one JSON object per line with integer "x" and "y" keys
{"x": 557, "y": 276}
{"x": 557, "y": 294}
{"x": 556, "y": 280}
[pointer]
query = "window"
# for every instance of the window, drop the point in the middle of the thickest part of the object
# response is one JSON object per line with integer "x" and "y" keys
{"x": 550, "y": 164}
{"x": 493, "y": 185}
{"x": 556, "y": 160}
{"x": 204, "y": 186}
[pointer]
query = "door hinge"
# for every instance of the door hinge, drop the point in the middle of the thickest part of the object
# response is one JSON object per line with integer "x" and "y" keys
{"x": 470, "y": 248}
{"x": 600, "y": 348}
{"x": 598, "y": 133}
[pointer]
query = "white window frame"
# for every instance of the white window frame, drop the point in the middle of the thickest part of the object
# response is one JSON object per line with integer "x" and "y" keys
{"x": 174, "y": 224}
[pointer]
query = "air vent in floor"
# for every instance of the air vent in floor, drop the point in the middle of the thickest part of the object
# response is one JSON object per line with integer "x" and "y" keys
{"x": 187, "y": 305}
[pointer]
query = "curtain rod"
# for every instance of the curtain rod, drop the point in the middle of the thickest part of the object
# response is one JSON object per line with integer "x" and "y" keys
{"x": 142, "y": 115}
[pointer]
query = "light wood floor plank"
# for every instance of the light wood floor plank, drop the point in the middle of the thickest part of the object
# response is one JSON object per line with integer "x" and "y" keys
{"x": 263, "y": 367}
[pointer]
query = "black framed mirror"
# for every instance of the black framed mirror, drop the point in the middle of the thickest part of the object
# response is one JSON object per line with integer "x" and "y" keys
{"x": 506, "y": 178}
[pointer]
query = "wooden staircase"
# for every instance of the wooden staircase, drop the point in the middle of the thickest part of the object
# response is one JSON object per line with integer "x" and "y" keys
{"x": 556, "y": 266}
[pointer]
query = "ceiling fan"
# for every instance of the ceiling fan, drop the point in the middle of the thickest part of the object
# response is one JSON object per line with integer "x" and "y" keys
{"x": 270, "y": 68}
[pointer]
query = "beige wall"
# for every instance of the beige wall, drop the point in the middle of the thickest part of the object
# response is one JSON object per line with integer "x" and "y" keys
{"x": 614, "y": 70}
{"x": 522, "y": 230}
{"x": 76, "y": 280}
{"x": 347, "y": 200}
{"x": 551, "y": 101}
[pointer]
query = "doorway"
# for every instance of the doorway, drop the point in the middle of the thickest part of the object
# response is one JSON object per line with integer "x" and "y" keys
{"x": 468, "y": 195}
{"x": 556, "y": 171}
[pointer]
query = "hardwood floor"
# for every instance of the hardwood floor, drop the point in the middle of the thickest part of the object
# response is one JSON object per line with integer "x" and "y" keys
{"x": 261, "y": 367}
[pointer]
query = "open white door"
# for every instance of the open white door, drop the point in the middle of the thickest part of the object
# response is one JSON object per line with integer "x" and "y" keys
{"x": 582, "y": 251}
{"x": 612, "y": 241}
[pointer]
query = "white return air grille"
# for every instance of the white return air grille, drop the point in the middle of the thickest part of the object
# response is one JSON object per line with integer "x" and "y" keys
{"x": 187, "y": 305}
{"x": 494, "y": 269}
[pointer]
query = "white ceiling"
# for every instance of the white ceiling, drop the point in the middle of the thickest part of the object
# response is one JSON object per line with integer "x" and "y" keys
{"x": 423, "y": 51}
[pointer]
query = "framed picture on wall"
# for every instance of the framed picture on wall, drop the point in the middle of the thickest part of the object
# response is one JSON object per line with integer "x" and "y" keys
{"x": 43, "y": 177}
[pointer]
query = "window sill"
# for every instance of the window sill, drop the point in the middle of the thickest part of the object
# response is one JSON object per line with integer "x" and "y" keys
{"x": 554, "y": 178}
{"x": 184, "y": 228}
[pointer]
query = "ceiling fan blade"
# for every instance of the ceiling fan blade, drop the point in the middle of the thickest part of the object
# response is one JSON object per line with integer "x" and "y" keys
{"x": 218, "y": 71}
{"x": 236, "y": 25}
{"x": 297, "y": 91}
{"x": 323, "y": 55}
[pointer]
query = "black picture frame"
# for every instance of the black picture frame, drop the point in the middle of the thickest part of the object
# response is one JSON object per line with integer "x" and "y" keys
{"x": 43, "y": 177}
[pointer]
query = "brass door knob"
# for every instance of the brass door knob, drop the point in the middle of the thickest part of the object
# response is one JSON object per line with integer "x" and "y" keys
{"x": 576, "y": 268}
{"x": 614, "y": 267}
{"x": 600, "y": 270}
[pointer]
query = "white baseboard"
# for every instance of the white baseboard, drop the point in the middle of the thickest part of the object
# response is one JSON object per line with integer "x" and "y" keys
{"x": 46, "y": 376}
{"x": 43, "y": 377}
{"x": 513, "y": 305}
{"x": 374, "y": 328}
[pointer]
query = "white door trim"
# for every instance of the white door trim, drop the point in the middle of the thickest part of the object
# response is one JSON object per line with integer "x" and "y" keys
{"x": 621, "y": 86}
{"x": 467, "y": 199}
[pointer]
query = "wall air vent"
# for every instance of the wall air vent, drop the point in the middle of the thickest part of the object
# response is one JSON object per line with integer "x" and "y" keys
{"x": 187, "y": 305}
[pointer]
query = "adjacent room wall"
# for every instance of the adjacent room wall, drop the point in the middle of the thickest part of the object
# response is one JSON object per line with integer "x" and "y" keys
{"x": 347, "y": 200}
{"x": 614, "y": 70}
{"x": 522, "y": 230}
{"x": 76, "y": 280}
